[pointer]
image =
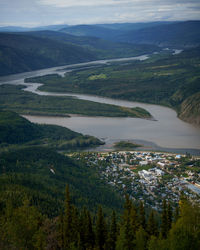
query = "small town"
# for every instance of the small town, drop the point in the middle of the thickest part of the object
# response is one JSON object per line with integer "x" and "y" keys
{"x": 148, "y": 176}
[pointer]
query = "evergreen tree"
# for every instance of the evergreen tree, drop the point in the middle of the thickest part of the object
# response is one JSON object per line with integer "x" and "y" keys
{"x": 125, "y": 239}
{"x": 141, "y": 239}
{"x": 142, "y": 219}
{"x": 169, "y": 217}
{"x": 87, "y": 236}
{"x": 61, "y": 231}
{"x": 134, "y": 223}
{"x": 176, "y": 214}
{"x": 67, "y": 221}
{"x": 112, "y": 236}
{"x": 185, "y": 233}
{"x": 101, "y": 231}
{"x": 164, "y": 222}
{"x": 152, "y": 227}
{"x": 21, "y": 228}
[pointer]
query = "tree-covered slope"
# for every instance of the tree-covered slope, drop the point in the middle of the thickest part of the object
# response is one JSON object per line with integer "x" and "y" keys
{"x": 40, "y": 175}
{"x": 16, "y": 130}
{"x": 90, "y": 30}
{"x": 101, "y": 48}
{"x": 180, "y": 34}
{"x": 19, "y": 53}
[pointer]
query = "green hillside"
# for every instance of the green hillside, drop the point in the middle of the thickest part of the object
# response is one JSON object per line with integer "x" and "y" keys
{"x": 16, "y": 130}
{"x": 100, "y": 47}
{"x": 90, "y": 30}
{"x": 40, "y": 175}
{"x": 178, "y": 34}
{"x": 19, "y": 53}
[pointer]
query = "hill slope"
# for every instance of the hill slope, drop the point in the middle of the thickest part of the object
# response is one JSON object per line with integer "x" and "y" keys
{"x": 90, "y": 30}
{"x": 40, "y": 175}
{"x": 98, "y": 45}
{"x": 17, "y": 130}
{"x": 176, "y": 34}
{"x": 21, "y": 53}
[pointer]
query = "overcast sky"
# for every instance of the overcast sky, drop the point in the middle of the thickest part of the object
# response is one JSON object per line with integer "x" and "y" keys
{"x": 45, "y": 12}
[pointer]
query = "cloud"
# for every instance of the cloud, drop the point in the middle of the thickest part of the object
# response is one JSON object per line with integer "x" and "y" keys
{"x": 144, "y": 3}
{"x": 79, "y": 3}
{"x": 44, "y": 12}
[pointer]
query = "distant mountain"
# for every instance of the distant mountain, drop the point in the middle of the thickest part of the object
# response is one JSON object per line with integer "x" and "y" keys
{"x": 102, "y": 48}
{"x": 23, "y": 29}
{"x": 173, "y": 34}
{"x": 91, "y": 30}
{"x": 13, "y": 29}
{"x": 182, "y": 34}
{"x": 131, "y": 26}
{"x": 26, "y": 51}
{"x": 21, "y": 53}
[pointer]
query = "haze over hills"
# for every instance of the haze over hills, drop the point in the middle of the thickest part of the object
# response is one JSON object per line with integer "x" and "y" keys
{"x": 180, "y": 34}
{"x": 26, "y": 51}
{"x": 21, "y": 53}
{"x": 24, "y": 29}
{"x": 39, "y": 48}
{"x": 132, "y": 26}
{"x": 113, "y": 26}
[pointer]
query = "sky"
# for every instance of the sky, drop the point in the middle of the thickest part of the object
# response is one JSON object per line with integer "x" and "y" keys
{"x": 31, "y": 13}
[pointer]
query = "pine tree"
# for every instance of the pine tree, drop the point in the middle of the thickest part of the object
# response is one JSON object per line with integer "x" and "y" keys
{"x": 100, "y": 230}
{"x": 141, "y": 239}
{"x": 89, "y": 237}
{"x": 185, "y": 233}
{"x": 125, "y": 239}
{"x": 142, "y": 219}
{"x": 164, "y": 223}
{"x": 67, "y": 221}
{"x": 112, "y": 236}
{"x": 169, "y": 217}
{"x": 152, "y": 227}
{"x": 61, "y": 231}
{"x": 134, "y": 223}
{"x": 176, "y": 214}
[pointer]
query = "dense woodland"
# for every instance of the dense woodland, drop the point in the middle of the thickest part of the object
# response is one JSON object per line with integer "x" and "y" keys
{"x": 24, "y": 227}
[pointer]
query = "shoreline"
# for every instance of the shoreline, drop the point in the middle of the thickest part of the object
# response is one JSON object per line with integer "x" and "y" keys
{"x": 147, "y": 146}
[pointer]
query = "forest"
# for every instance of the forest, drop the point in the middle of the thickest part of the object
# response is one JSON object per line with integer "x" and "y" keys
{"x": 24, "y": 227}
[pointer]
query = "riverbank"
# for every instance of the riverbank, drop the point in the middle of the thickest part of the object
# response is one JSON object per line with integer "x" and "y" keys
{"x": 167, "y": 131}
{"x": 109, "y": 146}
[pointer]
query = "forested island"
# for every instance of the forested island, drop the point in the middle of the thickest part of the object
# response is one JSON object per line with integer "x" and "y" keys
{"x": 15, "y": 99}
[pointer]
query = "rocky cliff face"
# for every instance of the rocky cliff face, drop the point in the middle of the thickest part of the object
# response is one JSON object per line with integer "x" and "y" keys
{"x": 190, "y": 109}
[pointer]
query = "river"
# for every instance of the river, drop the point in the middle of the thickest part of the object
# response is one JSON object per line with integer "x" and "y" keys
{"x": 167, "y": 133}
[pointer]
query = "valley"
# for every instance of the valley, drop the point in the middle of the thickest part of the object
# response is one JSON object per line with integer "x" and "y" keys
{"x": 100, "y": 134}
